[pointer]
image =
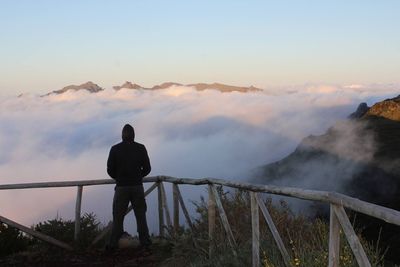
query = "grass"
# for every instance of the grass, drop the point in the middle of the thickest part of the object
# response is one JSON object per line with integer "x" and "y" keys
{"x": 305, "y": 239}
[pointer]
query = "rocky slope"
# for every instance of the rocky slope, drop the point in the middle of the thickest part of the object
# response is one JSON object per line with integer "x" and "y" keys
{"x": 359, "y": 157}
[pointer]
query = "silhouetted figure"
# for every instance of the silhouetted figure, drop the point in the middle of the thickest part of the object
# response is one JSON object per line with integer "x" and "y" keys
{"x": 127, "y": 164}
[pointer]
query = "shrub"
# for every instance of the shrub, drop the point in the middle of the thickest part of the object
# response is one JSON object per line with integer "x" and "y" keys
{"x": 12, "y": 240}
{"x": 63, "y": 230}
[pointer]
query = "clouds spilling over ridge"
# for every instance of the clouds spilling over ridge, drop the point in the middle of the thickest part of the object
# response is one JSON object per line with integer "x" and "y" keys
{"x": 188, "y": 133}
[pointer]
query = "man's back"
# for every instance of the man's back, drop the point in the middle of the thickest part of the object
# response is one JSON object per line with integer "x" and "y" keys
{"x": 128, "y": 163}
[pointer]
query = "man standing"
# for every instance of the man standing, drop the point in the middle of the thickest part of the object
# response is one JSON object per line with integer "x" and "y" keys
{"x": 127, "y": 164}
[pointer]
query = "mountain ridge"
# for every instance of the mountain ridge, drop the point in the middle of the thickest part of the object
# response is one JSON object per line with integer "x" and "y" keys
{"x": 94, "y": 88}
{"x": 88, "y": 86}
{"x": 224, "y": 88}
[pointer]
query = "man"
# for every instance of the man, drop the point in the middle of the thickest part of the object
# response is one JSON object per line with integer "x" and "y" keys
{"x": 127, "y": 164}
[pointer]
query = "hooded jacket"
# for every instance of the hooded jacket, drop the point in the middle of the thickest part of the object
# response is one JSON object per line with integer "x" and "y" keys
{"x": 128, "y": 162}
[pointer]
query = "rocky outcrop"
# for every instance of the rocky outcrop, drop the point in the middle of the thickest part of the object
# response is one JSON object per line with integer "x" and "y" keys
{"x": 389, "y": 109}
{"x": 361, "y": 110}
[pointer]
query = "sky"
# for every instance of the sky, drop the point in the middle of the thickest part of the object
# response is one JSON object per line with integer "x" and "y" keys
{"x": 46, "y": 45}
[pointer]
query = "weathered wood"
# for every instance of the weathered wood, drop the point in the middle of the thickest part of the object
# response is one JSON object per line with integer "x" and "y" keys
{"x": 165, "y": 204}
{"x": 56, "y": 184}
{"x": 274, "y": 231}
{"x": 148, "y": 191}
{"x": 109, "y": 226}
{"x": 78, "y": 206}
{"x": 334, "y": 239}
{"x": 224, "y": 218}
{"x": 211, "y": 221}
{"x": 186, "y": 214}
{"x": 185, "y": 211}
{"x": 161, "y": 229}
{"x": 176, "y": 207}
{"x": 385, "y": 214}
{"x": 255, "y": 230}
{"x": 351, "y": 237}
{"x": 36, "y": 234}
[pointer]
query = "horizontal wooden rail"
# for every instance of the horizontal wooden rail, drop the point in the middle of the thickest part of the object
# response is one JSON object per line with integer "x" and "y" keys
{"x": 385, "y": 214}
{"x": 337, "y": 203}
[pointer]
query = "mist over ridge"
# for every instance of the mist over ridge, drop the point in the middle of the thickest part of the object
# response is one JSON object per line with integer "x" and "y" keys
{"x": 359, "y": 157}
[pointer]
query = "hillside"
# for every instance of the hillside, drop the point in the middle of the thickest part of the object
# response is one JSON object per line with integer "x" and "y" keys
{"x": 359, "y": 157}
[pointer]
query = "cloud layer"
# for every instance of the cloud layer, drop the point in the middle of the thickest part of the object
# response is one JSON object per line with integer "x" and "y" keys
{"x": 187, "y": 133}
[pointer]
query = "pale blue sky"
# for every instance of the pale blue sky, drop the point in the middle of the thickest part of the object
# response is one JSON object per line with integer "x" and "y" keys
{"x": 46, "y": 45}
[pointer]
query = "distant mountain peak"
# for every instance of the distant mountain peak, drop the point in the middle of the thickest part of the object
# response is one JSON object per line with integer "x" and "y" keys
{"x": 166, "y": 85}
{"x": 88, "y": 86}
{"x": 128, "y": 85}
{"x": 223, "y": 87}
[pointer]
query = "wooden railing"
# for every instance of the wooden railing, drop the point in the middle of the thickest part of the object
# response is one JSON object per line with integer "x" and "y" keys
{"x": 338, "y": 216}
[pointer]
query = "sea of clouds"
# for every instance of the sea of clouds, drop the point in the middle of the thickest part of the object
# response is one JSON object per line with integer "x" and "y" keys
{"x": 187, "y": 133}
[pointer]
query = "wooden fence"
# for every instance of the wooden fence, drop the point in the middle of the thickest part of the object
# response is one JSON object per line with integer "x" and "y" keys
{"x": 337, "y": 202}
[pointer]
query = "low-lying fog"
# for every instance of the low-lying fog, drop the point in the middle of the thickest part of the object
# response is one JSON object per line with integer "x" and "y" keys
{"x": 187, "y": 134}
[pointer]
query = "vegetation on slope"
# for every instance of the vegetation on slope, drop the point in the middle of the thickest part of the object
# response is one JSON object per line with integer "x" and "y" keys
{"x": 305, "y": 239}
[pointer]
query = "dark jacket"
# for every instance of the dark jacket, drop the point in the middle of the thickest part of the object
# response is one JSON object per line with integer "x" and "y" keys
{"x": 128, "y": 163}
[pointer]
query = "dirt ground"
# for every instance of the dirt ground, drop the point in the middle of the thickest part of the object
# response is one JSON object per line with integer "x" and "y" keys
{"x": 135, "y": 256}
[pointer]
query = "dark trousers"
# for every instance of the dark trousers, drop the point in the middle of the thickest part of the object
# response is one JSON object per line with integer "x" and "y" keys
{"x": 122, "y": 196}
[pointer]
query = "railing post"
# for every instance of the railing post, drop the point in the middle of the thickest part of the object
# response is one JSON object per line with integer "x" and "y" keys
{"x": 255, "y": 230}
{"x": 351, "y": 237}
{"x": 224, "y": 219}
{"x": 165, "y": 203}
{"x": 211, "y": 220}
{"x": 78, "y": 212}
{"x": 176, "y": 207}
{"x": 183, "y": 206}
{"x": 334, "y": 239}
{"x": 186, "y": 214}
{"x": 274, "y": 231}
{"x": 160, "y": 210}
